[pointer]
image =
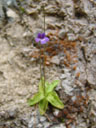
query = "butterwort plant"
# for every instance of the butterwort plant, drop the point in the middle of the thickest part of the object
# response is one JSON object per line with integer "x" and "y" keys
{"x": 46, "y": 92}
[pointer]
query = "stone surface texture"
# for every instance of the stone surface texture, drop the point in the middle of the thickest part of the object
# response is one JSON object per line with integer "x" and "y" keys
{"x": 72, "y": 22}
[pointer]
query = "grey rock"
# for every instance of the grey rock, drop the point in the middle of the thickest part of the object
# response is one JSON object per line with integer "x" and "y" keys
{"x": 4, "y": 4}
{"x": 13, "y": 113}
{"x": 24, "y": 121}
{"x": 59, "y": 126}
{"x": 67, "y": 81}
{"x": 54, "y": 10}
{"x": 9, "y": 114}
{"x": 12, "y": 13}
{"x": 50, "y": 26}
{"x": 58, "y": 88}
{"x": 62, "y": 13}
{"x": 91, "y": 71}
{"x": 42, "y": 119}
{"x": 64, "y": 76}
{"x": 11, "y": 3}
{"x": 8, "y": 3}
{"x": 40, "y": 126}
{"x": 72, "y": 37}
{"x": 58, "y": 2}
{"x": 30, "y": 124}
{"x": 46, "y": 124}
{"x": 51, "y": 10}
{"x": 55, "y": 60}
{"x": 58, "y": 25}
{"x": 56, "y": 111}
{"x": 67, "y": 87}
{"x": 11, "y": 118}
{"x": 82, "y": 125}
{"x": 34, "y": 120}
{"x": 62, "y": 34}
{"x": 73, "y": 98}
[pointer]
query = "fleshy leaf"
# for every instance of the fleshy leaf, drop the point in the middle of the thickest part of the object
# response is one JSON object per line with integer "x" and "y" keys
{"x": 43, "y": 104}
{"x": 36, "y": 98}
{"x": 41, "y": 89}
{"x": 54, "y": 100}
{"x": 50, "y": 87}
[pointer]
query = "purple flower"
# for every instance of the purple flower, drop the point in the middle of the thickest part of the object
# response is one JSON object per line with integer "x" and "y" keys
{"x": 41, "y": 38}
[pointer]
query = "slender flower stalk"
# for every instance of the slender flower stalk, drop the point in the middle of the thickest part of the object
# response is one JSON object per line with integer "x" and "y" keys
{"x": 43, "y": 40}
{"x": 44, "y": 49}
{"x": 40, "y": 64}
{"x": 44, "y": 17}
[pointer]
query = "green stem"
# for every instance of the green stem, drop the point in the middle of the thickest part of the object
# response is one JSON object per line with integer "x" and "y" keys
{"x": 42, "y": 61}
{"x": 44, "y": 50}
{"x": 42, "y": 70}
{"x": 44, "y": 17}
{"x": 40, "y": 64}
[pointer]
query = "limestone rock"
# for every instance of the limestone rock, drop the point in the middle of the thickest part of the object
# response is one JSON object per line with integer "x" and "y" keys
{"x": 91, "y": 71}
{"x": 12, "y": 13}
{"x": 62, "y": 33}
{"x": 55, "y": 60}
{"x": 4, "y": 4}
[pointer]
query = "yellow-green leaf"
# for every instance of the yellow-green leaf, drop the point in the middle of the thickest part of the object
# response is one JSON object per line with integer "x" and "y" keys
{"x": 41, "y": 87}
{"x": 50, "y": 87}
{"x": 54, "y": 100}
{"x": 43, "y": 104}
{"x": 36, "y": 98}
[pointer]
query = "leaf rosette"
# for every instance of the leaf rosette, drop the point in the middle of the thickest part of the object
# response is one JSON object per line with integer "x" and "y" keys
{"x": 43, "y": 97}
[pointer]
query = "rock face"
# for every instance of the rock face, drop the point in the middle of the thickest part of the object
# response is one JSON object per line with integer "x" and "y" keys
{"x": 4, "y": 4}
{"x": 71, "y": 52}
{"x": 12, "y": 119}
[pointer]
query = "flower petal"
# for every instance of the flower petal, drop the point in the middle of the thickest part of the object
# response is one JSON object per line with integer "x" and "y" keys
{"x": 42, "y": 35}
{"x": 43, "y": 41}
{"x": 39, "y": 35}
{"x": 47, "y": 39}
{"x": 37, "y": 40}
